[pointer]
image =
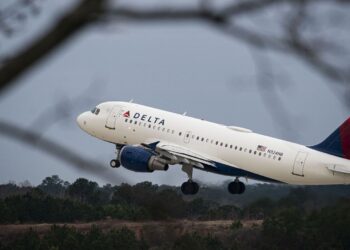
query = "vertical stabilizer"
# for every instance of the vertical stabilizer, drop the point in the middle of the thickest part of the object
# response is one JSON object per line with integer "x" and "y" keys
{"x": 338, "y": 143}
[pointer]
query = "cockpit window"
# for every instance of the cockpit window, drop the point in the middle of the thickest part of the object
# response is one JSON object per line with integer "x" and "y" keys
{"x": 95, "y": 111}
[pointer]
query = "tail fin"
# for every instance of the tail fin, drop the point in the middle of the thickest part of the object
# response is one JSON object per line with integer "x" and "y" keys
{"x": 338, "y": 143}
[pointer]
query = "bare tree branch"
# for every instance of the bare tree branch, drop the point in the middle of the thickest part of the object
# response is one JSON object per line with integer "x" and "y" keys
{"x": 92, "y": 11}
{"x": 203, "y": 12}
{"x": 64, "y": 107}
{"x": 36, "y": 140}
{"x": 67, "y": 26}
{"x": 224, "y": 21}
{"x": 267, "y": 88}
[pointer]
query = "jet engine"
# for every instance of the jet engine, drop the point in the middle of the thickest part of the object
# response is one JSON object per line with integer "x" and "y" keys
{"x": 139, "y": 159}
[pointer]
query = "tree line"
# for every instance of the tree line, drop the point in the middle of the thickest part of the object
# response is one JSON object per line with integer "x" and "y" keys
{"x": 292, "y": 217}
{"x": 56, "y": 200}
{"x": 289, "y": 228}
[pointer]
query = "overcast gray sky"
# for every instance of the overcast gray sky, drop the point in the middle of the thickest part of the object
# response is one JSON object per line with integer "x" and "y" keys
{"x": 177, "y": 67}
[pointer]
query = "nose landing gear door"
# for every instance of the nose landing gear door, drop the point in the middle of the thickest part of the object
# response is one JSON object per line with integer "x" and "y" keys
{"x": 112, "y": 117}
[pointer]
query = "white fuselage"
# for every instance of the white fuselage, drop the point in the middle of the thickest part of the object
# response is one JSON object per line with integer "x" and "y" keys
{"x": 235, "y": 147}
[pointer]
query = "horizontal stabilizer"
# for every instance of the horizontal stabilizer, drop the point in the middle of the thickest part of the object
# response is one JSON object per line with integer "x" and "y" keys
{"x": 339, "y": 168}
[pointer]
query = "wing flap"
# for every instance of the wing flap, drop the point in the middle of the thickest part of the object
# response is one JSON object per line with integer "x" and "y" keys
{"x": 177, "y": 154}
{"x": 184, "y": 153}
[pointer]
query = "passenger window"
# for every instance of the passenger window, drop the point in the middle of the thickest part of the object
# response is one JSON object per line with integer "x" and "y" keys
{"x": 221, "y": 143}
{"x": 172, "y": 131}
{"x": 168, "y": 131}
{"x": 216, "y": 142}
{"x": 279, "y": 158}
{"x": 250, "y": 151}
{"x": 180, "y": 133}
{"x": 202, "y": 139}
{"x": 230, "y": 146}
{"x": 259, "y": 153}
{"x": 225, "y": 145}
{"x": 163, "y": 129}
{"x": 126, "y": 120}
{"x": 158, "y": 128}
{"x": 197, "y": 137}
{"x": 236, "y": 148}
{"x": 149, "y": 126}
{"x": 135, "y": 122}
{"x": 154, "y": 127}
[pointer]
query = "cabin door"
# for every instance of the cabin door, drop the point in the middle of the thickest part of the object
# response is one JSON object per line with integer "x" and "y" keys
{"x": 299, "y": 163}
{"x": 112, "y": 117}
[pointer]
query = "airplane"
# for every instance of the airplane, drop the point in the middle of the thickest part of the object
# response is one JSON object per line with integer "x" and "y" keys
{"x": 148, "y": 139}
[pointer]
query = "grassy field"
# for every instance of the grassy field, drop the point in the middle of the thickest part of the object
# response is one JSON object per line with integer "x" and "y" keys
{"x": 171, "y": 228}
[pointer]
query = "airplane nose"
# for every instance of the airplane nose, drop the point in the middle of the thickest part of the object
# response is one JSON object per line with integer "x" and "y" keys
{"x": 81, "y": 120}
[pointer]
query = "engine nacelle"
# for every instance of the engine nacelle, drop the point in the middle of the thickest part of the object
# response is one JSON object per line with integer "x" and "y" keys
{"x": 139, "y": 159}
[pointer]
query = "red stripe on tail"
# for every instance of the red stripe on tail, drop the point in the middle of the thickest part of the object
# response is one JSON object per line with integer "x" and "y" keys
{"x": 344, "y": 131}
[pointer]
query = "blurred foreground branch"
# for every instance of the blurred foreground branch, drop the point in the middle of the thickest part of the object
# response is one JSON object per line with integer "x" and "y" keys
{"x": 51, "y": 147}
{"x": 72, "y": 22}
{"x": 292, "y": 39}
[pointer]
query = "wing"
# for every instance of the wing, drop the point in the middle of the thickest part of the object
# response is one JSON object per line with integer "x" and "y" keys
{"x": 176, "y": 154}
